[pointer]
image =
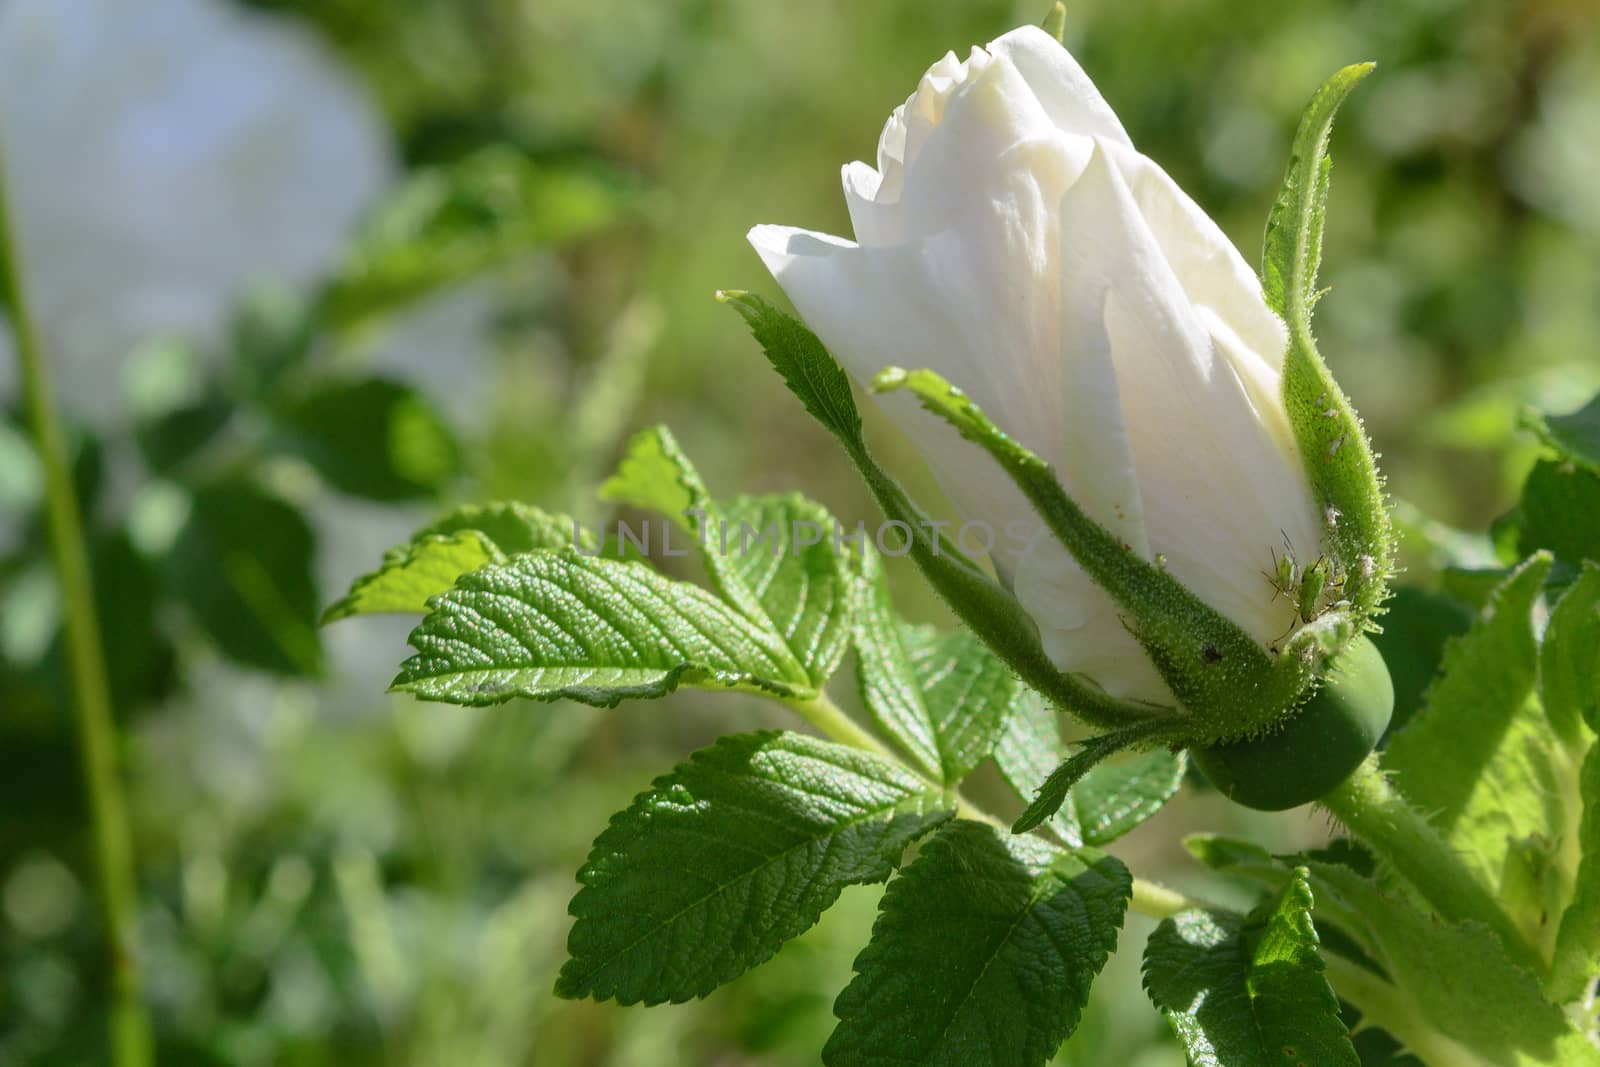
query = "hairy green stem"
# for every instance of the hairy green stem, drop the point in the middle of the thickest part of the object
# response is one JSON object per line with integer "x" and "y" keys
{"x": 1380, "y": 818}
{"x": 95, "y": 730}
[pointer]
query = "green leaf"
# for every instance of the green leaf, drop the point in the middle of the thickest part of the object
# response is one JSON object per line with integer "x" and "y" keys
{"x": 1338, "y": 457}
{"x": 984, "y": 605}
{"x": 448, "y": 223}
{"x": 1118, "y": 795}
{"x": 982, "y": 954}
{"x": 735, "y": 852}
{"x": 1242, "y": 992}
{"x": 1483, "y": 760}
{"x": 1416, "y": 627}
{"x": 1575, "y": 436}
{"x": 242, "y": 563}
{"x": 1234, "y": 855}
{"x": 1569, "y": 657}
{"x": 944, "y": 697}
{"x": 799, "y": 577}
{"x": 1053, "y": 793}
{"x": 1227, "y": 684}
{"x": 1028, "y": 749}
{"x": 1575, "y": 963}
{"x": 1458, "y": 978}
{"x": 371, "y": 438}
{"x": 655, "y": 474}
{"x": 1559, "y": 512}
{"x": 462, "y": 541}
{"x": 778, "y": 559}
{"x": 554, "y": 625}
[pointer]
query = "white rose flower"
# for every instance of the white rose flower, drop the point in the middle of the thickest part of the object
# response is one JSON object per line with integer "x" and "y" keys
{"x": 163, "y": 156}
{"x": 1013, "y": 240}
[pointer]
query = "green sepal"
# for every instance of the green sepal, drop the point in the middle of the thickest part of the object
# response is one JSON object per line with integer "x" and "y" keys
{"x": 984, "y": 605}
{"x": 1230, "y": 685}
{"x": 1053, "y": 793}
{"x": 1333, "y": 444}
{"x": 1055, "y": 23}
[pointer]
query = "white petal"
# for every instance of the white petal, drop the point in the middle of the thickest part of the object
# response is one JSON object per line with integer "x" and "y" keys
{"x": 1212, "y": 272}
{"x": 1219, "y": 492}
{"x": 1063, "y": 90}
{"x": 875, "y": 223}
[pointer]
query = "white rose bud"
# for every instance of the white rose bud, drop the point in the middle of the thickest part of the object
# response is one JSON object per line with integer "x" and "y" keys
{"x": 1014, "y": 241}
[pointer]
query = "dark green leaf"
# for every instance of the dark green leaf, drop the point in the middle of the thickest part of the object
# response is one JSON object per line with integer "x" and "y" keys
{"x": 243, "y": 564}
{"x": 735, "y": 852}
{"x": 371, "y": 438}
{"x": 982, "y": 954}
{"x": 553, "y": 625}
{"x": 1416, "y": 626}
{"x": 1559, "y": 511}
{"x": 1248, "y": 992}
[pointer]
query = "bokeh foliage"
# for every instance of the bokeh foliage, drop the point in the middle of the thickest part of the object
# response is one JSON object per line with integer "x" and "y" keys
{"x": 331, "y": 876}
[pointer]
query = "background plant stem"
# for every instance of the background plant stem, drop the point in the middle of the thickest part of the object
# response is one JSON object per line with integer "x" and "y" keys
{"x": 95, "y": 730}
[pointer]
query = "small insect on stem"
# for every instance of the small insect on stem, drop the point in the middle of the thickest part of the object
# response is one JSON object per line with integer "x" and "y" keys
{"x": 1312, "y": 583}
{"x": 1285, "y": 575}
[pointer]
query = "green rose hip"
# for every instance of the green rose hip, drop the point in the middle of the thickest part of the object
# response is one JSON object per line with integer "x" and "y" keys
{"x": 1318, "y": 745}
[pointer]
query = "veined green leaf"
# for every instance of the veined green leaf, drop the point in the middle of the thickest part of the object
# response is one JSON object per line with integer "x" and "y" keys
{"x": 1053, "y": 793}
{"x": 944, "y": 697}
{"x": 1483, "y": 760}
{"x": 1028, "y": 749}
{"x": 779, "y": 559}
{"x": 1458, "y": 978}
{"x": 735, "y": 852}
{"x": 982, "y": 954}
{"x": 439, "y": 553}
{"x": 1569, "y": 657}
{"x": 987, "y": 608}
{"x": 561, "y": 624}
{"x": 1248, "y": 992}
{"x": 1118, "y": 795}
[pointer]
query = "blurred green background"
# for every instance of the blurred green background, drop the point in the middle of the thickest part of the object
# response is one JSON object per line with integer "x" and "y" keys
{"x": 330, "y": 875}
